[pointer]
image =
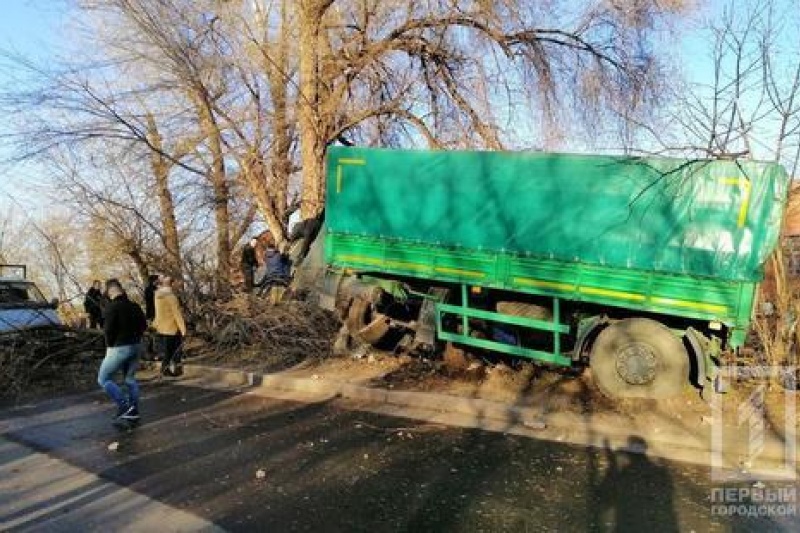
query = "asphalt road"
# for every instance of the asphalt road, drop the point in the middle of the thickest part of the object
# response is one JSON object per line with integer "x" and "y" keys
{"x": 245, "y": 463}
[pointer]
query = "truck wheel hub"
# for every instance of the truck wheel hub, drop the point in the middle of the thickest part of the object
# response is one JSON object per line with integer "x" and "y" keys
{"x": 637, "y": 363}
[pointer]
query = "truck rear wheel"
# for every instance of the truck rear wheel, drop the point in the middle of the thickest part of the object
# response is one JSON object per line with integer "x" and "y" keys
{"x": 639, "y": 358}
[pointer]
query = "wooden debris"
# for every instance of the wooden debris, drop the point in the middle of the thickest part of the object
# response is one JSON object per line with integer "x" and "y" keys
{"x": 291, "y": 328}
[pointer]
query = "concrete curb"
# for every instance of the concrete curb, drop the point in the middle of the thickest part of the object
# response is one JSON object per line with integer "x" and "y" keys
{"x": 422, "y": 400}
{"x": 686, "y": 446}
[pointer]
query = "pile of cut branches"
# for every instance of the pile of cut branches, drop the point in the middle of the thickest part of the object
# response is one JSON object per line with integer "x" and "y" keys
{"x": 293, "y": 330}
{"x": 50, "y": 358}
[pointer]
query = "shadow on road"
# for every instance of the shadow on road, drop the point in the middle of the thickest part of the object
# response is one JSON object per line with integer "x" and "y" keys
{"x": 621, "y": 500}
{"x": 248, "y": 463}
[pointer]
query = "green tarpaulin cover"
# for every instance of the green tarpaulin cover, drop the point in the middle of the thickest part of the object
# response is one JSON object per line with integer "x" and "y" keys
{"x": 718, "y": 219}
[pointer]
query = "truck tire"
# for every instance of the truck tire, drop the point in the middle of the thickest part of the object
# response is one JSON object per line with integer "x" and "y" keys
{"x": 639, "y": 358}
{"x": 364, "y": 324}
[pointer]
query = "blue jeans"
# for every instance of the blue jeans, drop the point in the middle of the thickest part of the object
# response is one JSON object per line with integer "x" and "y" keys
{"x": 126, "y": 359}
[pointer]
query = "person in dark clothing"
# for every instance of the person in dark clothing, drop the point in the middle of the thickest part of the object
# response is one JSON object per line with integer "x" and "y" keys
{"x": 249, "y": 264}
{"x": 277, "y": 269}
{"x": 150, "y": 312}
{"x": 93, "y": 305}
{"x": 150, "y": 297}
{"x": 277, "y": 264}
{"x": 124, "y": 327}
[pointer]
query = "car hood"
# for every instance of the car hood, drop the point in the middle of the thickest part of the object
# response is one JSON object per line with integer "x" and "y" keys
{"x": 23, "y": 318}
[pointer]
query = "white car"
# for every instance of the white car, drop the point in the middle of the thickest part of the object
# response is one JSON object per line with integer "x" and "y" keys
{"x": 22, "y": 306}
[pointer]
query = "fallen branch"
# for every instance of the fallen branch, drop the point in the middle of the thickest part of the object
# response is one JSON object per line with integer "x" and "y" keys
{"x": 31, "y": 356}
{"x": 292, "y": 329}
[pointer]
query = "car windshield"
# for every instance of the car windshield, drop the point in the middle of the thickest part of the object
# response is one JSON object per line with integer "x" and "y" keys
{"x": 20, "y": 292}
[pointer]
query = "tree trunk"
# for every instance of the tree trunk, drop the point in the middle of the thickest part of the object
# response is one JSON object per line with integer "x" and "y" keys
{"x": 269, "y": 183}
{"x": 219, "y": 183}
{"x": 312, "y": 147}
{"x": 281, "y": 148}
{"x": 257, "y": 184}
{"x": 141, "y": 265}
{"x": 221, "y": 215}
{"x": 161, "y": 169}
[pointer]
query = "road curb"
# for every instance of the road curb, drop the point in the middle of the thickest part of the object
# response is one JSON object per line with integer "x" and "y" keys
{"x": 476, "y": 407}
{"x": 488, "y": 415}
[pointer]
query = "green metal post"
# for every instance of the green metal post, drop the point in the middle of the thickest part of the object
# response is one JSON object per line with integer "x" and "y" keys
{"x": 557, "y": 320}
{"x": 464, "y": 305}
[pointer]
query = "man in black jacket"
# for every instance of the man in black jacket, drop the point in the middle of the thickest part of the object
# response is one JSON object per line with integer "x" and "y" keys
{"x": 125, "y": 324}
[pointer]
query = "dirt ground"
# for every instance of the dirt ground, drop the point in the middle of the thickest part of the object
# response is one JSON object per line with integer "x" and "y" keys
{"x": 523, "y": 385}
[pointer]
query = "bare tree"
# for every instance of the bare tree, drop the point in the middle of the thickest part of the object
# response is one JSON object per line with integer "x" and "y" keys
{"x": 751, "y": 107}
{"x": 107, "y": 199}
{"x": 98, "y": 100}
{"x": 163, "y": 36}
{"x": 422, "y": 64}
{"x": 230, "y": 103}
{"x": 751, "y": 110}
{"x": 48, "y": 243}
{"x": 256, "y": 40}
{"x": 67, "y": 112}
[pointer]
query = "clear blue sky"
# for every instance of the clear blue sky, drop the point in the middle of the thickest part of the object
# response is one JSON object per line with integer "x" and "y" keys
{"x": 32, "y": 27}
{"x": 35, "y": 29}
{"x": 694, "y": 46}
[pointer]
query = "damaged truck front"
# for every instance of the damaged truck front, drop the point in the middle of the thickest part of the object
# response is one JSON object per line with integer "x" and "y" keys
{"x": 645, "y": 270}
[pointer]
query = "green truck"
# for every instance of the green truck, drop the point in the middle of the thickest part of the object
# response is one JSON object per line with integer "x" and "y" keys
{"x": 644, "y": 269}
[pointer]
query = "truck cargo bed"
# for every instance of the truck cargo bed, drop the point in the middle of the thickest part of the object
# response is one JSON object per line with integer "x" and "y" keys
{"x": 712, "y": 219}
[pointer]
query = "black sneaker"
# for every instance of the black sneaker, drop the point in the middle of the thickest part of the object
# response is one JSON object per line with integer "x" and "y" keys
{"x": 131, "y": 414}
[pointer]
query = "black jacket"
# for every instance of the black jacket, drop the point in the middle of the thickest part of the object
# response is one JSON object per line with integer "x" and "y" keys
{"x": 125, "y": 322}
{"x": 277, "y": 264}
{"x": 93, "y": 303}
{"x": 150, "y": 302}
{"x": 249, "y": 258}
